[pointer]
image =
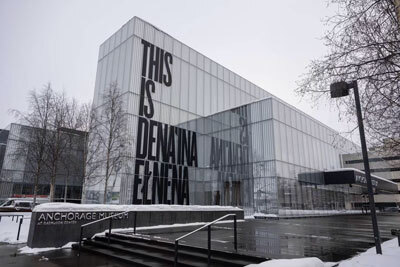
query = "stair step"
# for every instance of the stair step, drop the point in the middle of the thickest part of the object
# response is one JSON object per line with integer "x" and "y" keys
{"x": 165, "y": 257}
{"x": 184, "y": 251}
{"x": 231, "y": 255}
{"x": 143, "y": 251}
{"x": 135, "y": 261}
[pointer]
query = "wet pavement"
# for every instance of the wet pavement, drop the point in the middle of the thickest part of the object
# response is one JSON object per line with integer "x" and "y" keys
{"x": 9, "y": 257}
{"x": 329, "y": 238}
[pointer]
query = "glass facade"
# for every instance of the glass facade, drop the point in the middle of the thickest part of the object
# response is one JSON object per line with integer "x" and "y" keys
{"x": 20, "y": 163}
{"x": 201, "y": 134}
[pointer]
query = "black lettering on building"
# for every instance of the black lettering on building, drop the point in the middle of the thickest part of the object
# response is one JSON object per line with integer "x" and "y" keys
{"x": 163, "y": 152}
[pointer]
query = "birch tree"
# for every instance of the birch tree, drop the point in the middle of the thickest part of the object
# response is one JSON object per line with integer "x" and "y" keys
{"x": 90, "y": 124}
{"x": 111, "y": 133}
{"x": 33, "y": 141}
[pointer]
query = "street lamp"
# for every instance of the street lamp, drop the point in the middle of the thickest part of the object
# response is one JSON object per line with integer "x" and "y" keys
{"x": 340, "y": 89}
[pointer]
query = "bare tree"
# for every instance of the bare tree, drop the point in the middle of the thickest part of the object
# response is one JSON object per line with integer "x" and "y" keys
{"x": 64, "y": 124}
{"x": 90, "y": 124}
{"x": 49, "y": 136}
{"x": 57, "y": 140}
{"x": 111, "y": 133}
{"x": 33, "y": 142}
{"x": 364, "y": 45}
{"x": 72, "y": 159}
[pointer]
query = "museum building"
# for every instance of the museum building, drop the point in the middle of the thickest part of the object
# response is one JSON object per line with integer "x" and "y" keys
{"x": 18, "y": 169}
{"x": 200, "y": 134}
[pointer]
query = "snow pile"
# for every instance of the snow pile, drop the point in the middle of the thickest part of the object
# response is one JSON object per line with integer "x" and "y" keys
{"x": 9, "y": 228}
{"x": 292, "y": 212}
{"x": 28, "y": 250}
{"x": 264, "y": 215}
{"x": 369, "y": 258}
{"x": 289, "y": 212}
{"x": 121, "y": 208}
{"x": 303, "y": 262}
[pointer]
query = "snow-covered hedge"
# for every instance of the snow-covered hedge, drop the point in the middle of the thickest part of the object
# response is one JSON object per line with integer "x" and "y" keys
{"x": 116, "y": 208}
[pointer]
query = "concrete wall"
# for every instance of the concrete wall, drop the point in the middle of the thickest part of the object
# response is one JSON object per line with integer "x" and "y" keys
{"x": 56, "y": 228}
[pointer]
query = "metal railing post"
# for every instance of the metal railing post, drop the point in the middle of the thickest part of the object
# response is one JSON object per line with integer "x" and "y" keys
{"x": 19, "y": 227}
{"x": 176, "y": 253}
{"x": 208, "y": 226}
{"x": 97, "y": 221}
{"x": 235, "y": 232}
{"x": 134, "y": 224}
{"x": 396, "y": 232}
{"x": 80, "y": 241}
{"x": 209, "y": 245}
{"x": 109, "y": 230}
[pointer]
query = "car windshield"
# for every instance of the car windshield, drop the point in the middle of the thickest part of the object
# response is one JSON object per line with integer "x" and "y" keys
{"x": 8, "y": 203}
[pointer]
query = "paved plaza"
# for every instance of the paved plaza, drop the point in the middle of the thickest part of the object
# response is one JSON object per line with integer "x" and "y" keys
{"x": 329, "y": 238}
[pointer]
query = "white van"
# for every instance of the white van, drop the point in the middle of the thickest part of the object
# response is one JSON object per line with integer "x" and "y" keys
{"x": 21, "y": 204}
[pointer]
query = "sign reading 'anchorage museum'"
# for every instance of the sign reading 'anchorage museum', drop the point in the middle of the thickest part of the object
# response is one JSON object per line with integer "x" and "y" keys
{"x": 50, "y": 218}
{"x": 163, "y": 152}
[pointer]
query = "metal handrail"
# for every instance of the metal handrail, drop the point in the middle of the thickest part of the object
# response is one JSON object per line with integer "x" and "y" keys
{"x": 208, "y": 225}
{"x": 21, "y": 219}
{"x": 109, "y": 227}
{"x": 12, "y": 215}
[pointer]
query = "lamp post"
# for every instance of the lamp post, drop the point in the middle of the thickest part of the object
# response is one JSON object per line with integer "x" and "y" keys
{"x": 340, "y": 89}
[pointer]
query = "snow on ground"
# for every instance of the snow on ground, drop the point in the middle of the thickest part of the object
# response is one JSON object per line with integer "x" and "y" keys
{"x": 289, "y": 212}
{"x": 369, "y": 258}
{"x": 121, "y": 208}
{"x": 264, "y": 215}
{"x": 28, "y": 250}
{"x": 294, "y": 213}
{"x": 9, "y": 228}
{"x": 303, "y": 262}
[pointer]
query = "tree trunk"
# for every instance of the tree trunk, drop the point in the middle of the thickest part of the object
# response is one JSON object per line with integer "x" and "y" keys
{"x": 53, "y": 182}
{"x": 106, "y": 180}
{"x": 66, "y": 189}
{"x": 35, "y": 188}
{"x": 110, "y": 138}
{"x": 85, "y": 160}
{"x": 52, "y": 189}
{"x": 83, "y": 195}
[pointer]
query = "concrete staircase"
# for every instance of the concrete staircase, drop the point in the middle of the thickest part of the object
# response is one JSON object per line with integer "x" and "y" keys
{"x": 139, "y": 251}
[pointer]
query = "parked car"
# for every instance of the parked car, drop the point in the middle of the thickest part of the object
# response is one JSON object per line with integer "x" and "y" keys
{"x": 20, "y": 204}
{"x": 391, "y": 209}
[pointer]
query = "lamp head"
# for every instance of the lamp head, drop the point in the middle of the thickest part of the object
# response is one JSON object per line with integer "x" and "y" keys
{"x": 339, "y": 89}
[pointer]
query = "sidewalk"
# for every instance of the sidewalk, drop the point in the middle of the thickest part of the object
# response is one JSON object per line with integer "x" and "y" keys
{"x": 9, "y": 257}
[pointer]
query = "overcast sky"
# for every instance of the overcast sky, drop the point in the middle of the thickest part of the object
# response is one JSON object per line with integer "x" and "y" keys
{"x": 268, "y": 42}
